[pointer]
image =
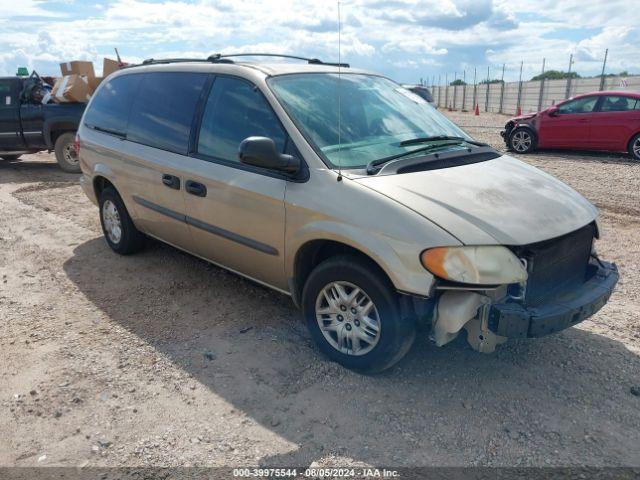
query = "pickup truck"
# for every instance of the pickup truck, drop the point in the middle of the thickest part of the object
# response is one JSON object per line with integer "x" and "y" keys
{"x": 29, "y": 127}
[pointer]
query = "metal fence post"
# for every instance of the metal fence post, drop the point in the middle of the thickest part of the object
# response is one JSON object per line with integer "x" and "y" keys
{"x": 446, "y": 90}
{"x": 502, "y": 90}
{"x": 541, "y": 86}
{"x": 464, "y": 88}
{"x": 455, "y": 74}
{"x": 439, "y": 93}
{"x": 567, "y": 93}
{"x": 518, "y": 106}
{"x": 475, "y": 89}
{"x": 486, "y": 100}
{"x": 604, "y": 64}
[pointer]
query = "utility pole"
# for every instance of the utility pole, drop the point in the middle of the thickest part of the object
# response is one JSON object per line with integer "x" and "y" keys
{"x": 541, "y": 86}
{"x": 486, "y": 100}
{"x": 567, "y": 93}
{"x": 502, "y": 90}
{"x": 604, "y": 64}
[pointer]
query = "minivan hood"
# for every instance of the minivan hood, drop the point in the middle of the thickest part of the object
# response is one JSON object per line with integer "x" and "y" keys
{"x": 503, "y": 201}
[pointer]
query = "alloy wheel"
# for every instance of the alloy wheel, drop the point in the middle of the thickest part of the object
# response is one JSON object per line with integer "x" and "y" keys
{"x": 521, "y": 141}
{"x": 70, "y": 154}
{"x": 111, "y": 221}
{"x": 348, "y": 318}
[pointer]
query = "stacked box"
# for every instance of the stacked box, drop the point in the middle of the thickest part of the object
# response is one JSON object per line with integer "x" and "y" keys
{"x": 109, "y": 66}
{"x": 71, "y": 88}
{"x": 77, "y": 67}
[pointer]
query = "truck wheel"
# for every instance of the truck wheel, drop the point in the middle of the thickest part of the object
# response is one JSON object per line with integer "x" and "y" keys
{"x": 66, "y": 154}
{"x": 121, "y": 234}
{"x": 634, "y": 147}
{"x": 9, "y": 158}
{"x": 522, "y": 140}
{"x": 353, "y": 315}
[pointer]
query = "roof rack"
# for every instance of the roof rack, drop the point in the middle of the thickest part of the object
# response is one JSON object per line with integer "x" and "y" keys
{"x": 219, "y": 58}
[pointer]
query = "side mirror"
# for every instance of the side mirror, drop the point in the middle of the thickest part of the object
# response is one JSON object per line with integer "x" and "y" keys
{"x": 553, "y": 111}
{"x": 261, "y": 152}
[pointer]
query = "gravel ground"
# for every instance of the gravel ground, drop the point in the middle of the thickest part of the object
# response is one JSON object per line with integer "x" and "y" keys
{"x": 160, "y": 359}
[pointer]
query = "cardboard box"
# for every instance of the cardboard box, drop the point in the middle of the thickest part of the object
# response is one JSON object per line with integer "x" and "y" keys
{"x": 77, "y": 67}
{"x": 71, "y": 88}
{"x": 93, "y": 83}
{"x": 109, "y": 66}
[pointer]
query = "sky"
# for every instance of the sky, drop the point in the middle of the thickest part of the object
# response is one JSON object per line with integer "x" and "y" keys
{"x": 404, "y": 39}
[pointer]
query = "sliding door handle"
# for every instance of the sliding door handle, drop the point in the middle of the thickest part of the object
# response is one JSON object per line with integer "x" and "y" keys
{"x": 195, "y": 188}
{"x": 171, "y": 181}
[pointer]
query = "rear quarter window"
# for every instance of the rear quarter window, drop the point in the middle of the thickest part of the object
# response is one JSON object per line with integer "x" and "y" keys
{"x": 163, "y": 110}
{"x": 110, "y": 107}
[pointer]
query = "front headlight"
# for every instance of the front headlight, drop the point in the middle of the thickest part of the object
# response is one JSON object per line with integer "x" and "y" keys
{"x": 480, "y": 265}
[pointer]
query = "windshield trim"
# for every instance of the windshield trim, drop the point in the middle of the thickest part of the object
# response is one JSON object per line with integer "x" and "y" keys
{"x": 315, "y": 147}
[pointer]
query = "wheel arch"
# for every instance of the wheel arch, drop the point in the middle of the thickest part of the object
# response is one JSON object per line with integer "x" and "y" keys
{"x": 53, "y": 128}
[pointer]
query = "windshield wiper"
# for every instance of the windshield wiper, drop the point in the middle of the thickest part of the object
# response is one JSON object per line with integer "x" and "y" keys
{"x": 372, "y": 166}
{"x": 435, "y": 138}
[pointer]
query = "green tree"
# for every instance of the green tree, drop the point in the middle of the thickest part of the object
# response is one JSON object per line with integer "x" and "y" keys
{"x": 493, "y": 80}
{"x": 458, "y": 81}
{"x": 555, "y": 75}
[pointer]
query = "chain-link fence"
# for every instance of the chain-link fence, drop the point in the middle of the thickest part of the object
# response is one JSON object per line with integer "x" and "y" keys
{"x": 499, "y": 96}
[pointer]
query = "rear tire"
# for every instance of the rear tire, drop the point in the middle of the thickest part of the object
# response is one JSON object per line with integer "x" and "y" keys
{"x": 522, "y": 140}
{"x": 66, "y": 154}
{"x": 363, "y": 337}
{"x": 634, "y": 147}
{"x": 119, "y": 231}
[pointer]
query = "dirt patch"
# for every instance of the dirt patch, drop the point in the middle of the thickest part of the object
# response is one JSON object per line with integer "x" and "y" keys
{"x": 162, "y": 359}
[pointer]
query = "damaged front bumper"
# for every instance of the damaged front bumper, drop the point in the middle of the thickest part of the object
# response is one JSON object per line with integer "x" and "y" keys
{"x": 514, "y": 320}
{"x": 491, "y": 317}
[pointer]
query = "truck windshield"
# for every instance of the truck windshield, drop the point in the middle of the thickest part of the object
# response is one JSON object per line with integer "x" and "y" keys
{"x": 376, "y": 116}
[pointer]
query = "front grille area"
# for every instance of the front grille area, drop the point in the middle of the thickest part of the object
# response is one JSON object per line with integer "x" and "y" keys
{"x": 556, "y": 265}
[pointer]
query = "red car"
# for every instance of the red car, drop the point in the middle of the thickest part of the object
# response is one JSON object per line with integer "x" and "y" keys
{"x": 608, "y": 121}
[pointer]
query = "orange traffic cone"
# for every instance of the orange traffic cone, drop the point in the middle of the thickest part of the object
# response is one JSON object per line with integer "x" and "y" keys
{"x": 518, "y": 111}
{"x": 477, "y": 110}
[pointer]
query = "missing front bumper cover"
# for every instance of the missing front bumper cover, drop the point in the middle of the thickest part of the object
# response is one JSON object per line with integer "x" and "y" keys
{"x": 515, "y": 320}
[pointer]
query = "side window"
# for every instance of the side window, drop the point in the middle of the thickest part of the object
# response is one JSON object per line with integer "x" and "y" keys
{"x": 579, "y": 105}
{"x": 5, "y": 93}
{"x": 234, "y": 111}
{"x": 163, "y": 110}
{"x": 617, "y": 103}
{"x": 109, "y": 110}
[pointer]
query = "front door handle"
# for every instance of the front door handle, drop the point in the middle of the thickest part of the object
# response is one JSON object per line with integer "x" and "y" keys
{"x": 195, "y": 188}
{"x": 171, "y": 181}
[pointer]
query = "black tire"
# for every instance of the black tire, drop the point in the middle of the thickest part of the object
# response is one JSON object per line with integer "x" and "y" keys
{"x": 396, "y": 334}
{"x": 66, "y": 153}
{"x": 518, "y": 140}
{"x": 130, "y": 239}
{"x": 634, "y": 147}
{"x": 10, "y": 158}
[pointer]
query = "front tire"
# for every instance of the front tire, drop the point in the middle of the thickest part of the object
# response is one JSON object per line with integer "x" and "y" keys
{"x": 66, "y": 154}
{"x": 522, "y": 140}
{"x": 634, "y": 147}
{"x": 353, "y": 315}
{"x": 118, "y": 228}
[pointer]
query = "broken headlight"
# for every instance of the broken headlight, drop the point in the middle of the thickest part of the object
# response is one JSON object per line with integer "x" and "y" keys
{"x": 479, "y": 265}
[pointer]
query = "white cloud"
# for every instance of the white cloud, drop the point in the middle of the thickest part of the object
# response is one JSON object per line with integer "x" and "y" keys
{"x": 399, "y": 37}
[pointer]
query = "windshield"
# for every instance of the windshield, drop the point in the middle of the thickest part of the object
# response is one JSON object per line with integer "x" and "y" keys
{"x": 376, "y": 116}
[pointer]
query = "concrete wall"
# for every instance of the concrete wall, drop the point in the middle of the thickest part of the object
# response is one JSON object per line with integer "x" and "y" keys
{"x": 503, "y": 98}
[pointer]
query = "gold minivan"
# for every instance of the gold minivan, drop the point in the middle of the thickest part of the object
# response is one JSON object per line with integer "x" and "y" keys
{"x": 347, "y": 192}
